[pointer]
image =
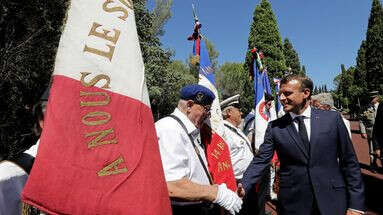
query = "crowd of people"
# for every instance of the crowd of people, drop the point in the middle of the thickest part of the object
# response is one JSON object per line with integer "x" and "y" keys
{"x": 306, "y": 163}
{"x": 310, "y": 146}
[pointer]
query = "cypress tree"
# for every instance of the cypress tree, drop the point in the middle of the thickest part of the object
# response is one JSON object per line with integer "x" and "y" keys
{"x": 360, "y": 75}
{"x": 303, "y": 70}
{"x": 374, "y": 48}
{"x": 291, "y": 57}
{"x": 265, "y": 36}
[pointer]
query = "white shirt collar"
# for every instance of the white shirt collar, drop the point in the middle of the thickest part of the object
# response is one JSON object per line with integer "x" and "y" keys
{"x": 306, "y": 113}
{"x": 188, "y": 124}
{"x": 229, "y": 124}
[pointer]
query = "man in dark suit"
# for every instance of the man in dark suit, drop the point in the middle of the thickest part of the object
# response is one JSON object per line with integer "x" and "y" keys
{"x": 319, "y": 172}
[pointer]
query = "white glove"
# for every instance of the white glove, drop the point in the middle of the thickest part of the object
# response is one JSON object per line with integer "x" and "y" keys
{"x": 228, "y": 199}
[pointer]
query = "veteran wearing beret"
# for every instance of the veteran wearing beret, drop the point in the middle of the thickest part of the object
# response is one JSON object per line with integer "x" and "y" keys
{"x": 190, "y": 186}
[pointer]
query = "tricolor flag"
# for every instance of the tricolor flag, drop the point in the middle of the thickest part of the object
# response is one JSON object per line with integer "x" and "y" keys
{"x": 261, "y": 117}
{"x": 212, "y": 134}
{"x": 266, "y": 83}
{"x": 279, "y": 107}
{"x": 98, "y": 152}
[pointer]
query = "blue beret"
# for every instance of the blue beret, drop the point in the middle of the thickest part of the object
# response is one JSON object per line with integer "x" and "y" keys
{"x": 198, "y": 93}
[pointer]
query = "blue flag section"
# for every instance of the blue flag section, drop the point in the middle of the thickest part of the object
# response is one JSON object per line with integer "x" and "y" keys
{"x": 266, "y": 82}
{"x": 258, "y": 86}
{"x": 205, "y": 66}
{"x": 279, "y": 108}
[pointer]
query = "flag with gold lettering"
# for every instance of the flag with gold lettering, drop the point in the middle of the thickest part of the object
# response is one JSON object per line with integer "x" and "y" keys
{"x": 212, "y": 133}
{"x": 98, "y": 152}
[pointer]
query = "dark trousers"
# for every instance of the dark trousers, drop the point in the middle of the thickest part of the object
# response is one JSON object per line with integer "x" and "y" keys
{"x": 196, "y": 209}
{"x": 255, "y": 201}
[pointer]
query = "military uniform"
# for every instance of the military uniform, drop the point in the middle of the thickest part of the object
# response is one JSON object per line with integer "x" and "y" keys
{"x": 366, "y": 125}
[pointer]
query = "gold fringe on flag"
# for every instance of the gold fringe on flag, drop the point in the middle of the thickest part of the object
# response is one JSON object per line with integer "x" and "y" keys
{"x": 195, "y": 60}
{"x": 27, "y": 209}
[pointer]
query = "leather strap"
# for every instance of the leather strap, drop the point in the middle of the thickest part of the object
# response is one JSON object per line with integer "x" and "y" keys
{"x": 235, "y": 131}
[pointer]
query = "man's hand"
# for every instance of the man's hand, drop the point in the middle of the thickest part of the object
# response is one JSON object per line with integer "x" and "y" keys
{"x": 240, "y": 191}
{"x": 364, "y": 136}
{"x": 352, "y": 212}
{"x": 228, "y": 199}
{"x": 377, "y": 152}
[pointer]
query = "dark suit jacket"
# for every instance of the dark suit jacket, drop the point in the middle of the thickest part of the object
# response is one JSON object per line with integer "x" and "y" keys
{"x": 378, "y": 128}
{"x": 329, "y": 174}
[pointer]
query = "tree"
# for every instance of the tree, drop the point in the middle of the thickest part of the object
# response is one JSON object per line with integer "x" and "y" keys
{"x": 291, "y": 57}
{"x": 265, "y": 36}
{"x": 315, "y": 90}
{"x": 360, "y": 76}
{"x": 374, "y": 48}
{"x": 29, "y": 37}
{"x": 161, "y": 14}
{"x": 156, "y": 59}
{"x": 232, "y": 79}
{"x": 303, "y": 70}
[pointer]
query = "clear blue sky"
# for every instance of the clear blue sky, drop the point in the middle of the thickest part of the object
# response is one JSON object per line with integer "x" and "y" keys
{"x": 325, "y": 33}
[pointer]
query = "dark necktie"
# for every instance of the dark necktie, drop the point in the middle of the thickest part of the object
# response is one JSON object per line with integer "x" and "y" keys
{"x": 303, "y": 132}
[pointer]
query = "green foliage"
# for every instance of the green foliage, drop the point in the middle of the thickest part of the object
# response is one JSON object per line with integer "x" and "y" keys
{"x": 232, "y": 79}
{"x": 374, "y": 48}
{"x": 291, "y": 57}
{"x": 156, "y": 59}
{"x": 176, "y": 76}
{"x": 265, "y": 36}
{"x": 161, "y": 14}
{"x": 29, "y": 37}
{"x": 347, "y": 90}
{"x": 360, "y": 80}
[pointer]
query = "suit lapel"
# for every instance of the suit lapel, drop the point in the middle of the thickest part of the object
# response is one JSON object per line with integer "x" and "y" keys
{"x": 314, "y": 122}
{"x": 294, "y": 134}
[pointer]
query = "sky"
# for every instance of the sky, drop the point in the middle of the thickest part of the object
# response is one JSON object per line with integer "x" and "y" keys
{"x": 325, "y": 33}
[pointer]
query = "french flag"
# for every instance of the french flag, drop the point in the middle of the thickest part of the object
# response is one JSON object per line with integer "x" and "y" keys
{"x": 213, "y": 133}
{"x": 98, "y": 152}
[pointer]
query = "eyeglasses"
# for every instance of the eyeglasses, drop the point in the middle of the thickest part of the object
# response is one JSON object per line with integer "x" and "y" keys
{"x": 207, "y": 108}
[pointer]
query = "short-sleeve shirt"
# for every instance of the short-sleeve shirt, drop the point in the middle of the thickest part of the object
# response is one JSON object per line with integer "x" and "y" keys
{"x": 178, "y": 155}
{"x": 240, "y": 149}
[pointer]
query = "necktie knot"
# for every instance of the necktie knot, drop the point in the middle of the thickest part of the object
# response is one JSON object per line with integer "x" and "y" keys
{"x": 299, "y": 119}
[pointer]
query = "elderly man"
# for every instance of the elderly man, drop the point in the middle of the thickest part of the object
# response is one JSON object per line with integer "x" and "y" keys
{"x": 319, "y": 172}
{"x": 240, "y": 148}
{"x": 183, "y": 158}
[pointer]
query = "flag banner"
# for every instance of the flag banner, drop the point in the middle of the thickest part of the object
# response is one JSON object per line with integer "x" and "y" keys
{"x": 212, "y": 134}
{"x": 279, "y": 108}
{"x": 98, "y": 152}
{"x": 266, "y": 82}
{"x": 261, "y": 117}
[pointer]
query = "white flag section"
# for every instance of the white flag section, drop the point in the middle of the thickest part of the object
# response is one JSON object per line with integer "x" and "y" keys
{"x": 261, "y": 115}
{"x": 100, "y": 40}
{"x": 99, "y": 152}
{"x": 216, "y": 120}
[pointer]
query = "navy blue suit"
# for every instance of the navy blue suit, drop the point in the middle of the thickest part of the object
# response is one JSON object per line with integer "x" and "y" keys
{"x": 328, "y": 175}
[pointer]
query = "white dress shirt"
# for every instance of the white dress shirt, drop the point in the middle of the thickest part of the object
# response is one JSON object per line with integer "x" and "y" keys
{"x": 240, "y": 149}
{"x": 306, "y": 120}
{"x": 178, "y": 156}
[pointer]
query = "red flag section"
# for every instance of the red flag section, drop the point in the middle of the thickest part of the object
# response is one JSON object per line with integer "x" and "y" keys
{"x": 98, "y": 153}
{"x": 218, "y": 158}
